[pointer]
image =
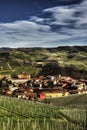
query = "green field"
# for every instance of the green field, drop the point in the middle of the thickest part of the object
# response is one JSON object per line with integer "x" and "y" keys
{"x": 69, "y": 113}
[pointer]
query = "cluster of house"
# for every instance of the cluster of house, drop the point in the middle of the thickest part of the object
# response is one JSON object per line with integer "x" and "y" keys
{"x": 25, "y": 84}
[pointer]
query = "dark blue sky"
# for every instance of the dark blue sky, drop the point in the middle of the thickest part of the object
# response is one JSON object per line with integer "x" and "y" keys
{"x": 43, "y": 23}
{"x": 11, "y": 10}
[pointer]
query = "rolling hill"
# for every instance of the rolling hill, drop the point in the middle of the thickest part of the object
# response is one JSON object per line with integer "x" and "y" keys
{"x": 38, "y": 61}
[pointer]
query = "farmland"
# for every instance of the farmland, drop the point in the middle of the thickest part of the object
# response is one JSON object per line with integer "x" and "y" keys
{"x": 36, "y": 61}
{"x": 65, "y": 113}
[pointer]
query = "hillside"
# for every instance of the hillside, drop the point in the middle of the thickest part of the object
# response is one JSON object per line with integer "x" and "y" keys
{"x": 44, "y": 61}
{"x": 18, "y": 114}
{"x": 77, "y": 100}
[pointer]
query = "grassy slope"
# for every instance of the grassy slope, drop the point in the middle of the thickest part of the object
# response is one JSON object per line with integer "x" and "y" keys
{"x": 72, "y": 100}
{"x": 26, "y": 115}
{"x": 15, "y": 60}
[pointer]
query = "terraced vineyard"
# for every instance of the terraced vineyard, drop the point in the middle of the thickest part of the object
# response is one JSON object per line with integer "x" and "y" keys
{"x": 18, "y": 114}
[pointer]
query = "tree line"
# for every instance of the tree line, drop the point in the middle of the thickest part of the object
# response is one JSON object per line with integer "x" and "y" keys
{"x": 68, "y": 70}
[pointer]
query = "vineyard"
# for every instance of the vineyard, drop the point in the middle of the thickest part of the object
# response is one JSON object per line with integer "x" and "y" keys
{"x": 18, "y": 114}
{"x": 70, "y": 61}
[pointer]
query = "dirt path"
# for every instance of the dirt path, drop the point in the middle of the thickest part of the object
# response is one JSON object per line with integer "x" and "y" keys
{"x": 9, "y": 66}
{"x": 7, "y": 71}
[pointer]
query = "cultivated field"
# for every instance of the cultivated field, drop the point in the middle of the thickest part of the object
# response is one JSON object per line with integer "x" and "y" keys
{"x": 56, "y": 114}
{"x": 36, "y": 61}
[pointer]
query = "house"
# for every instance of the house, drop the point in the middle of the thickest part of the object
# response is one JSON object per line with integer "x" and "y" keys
{"x": 24, "y": 75}
{"x": 19, "y": 81}
{"x": 5, "y": 76}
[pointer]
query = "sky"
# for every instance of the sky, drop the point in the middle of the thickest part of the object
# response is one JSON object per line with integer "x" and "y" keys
{"x": 43, "y": 23}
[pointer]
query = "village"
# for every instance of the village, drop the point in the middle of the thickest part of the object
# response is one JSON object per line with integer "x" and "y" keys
{"x": 40, "y": 87}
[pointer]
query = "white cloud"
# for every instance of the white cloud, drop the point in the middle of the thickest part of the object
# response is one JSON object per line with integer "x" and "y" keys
{"x": 62, "y": 14}
{"x": 24, "y": 26}
{"x": 36, "y": 19}
{"x": 26, "y": 34}
{"x": 83, "y": 18}
{"x": 38, "y": 32}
